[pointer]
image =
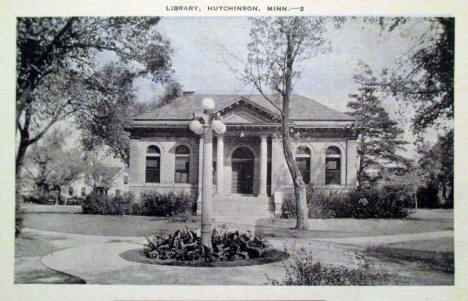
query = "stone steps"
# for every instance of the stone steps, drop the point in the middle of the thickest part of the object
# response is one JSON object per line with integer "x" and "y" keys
{"x": 240, "y": 209}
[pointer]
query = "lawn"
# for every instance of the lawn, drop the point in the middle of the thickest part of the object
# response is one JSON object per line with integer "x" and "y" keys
{"x": 107, "y": 225}
{"x": 423, "y": 220}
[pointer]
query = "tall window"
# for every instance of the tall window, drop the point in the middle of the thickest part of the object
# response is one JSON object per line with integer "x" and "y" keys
{"x": 303, "y": 162}
{"x": 182, "y": 164}
{"x": 83, "y": 191}
{"x": 153, "y": 164}
{"x": 70, "y": 191}
{"x": 333, "y": 166}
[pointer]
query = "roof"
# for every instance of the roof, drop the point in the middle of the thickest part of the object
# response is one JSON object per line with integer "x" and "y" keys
{"x": 302, "y": 108}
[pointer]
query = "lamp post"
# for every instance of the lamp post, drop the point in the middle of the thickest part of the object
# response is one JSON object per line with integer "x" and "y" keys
{"x": 204, "y": 124}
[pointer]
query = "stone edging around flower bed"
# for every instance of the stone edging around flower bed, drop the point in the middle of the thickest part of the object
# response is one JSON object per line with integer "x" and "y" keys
{"x": 274, "y": 255}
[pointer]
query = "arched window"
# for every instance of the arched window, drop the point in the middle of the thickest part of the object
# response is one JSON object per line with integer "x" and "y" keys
{"x": 303, "y": 162}
{"x": 333, "y": 166}
{"x": 182, "y": 164}
{"x": 153, "y": 164}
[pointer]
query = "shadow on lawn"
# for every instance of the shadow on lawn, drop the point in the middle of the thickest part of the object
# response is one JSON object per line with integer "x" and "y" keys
{"x": 427, "y": 260}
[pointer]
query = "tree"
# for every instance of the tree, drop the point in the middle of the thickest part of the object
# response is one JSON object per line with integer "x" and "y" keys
{"x": 379, "y": 138}
{"x": 436, "y": 164}
{"x": 171, "y": 92}
{"x": 424, "y": 77}
{"x": 50, "y": 166}
{"x": 103, "y": 120}
{"x": 97, "y": 173}
{"x": 278, "y": 47}
{"x": 56, "y": 59}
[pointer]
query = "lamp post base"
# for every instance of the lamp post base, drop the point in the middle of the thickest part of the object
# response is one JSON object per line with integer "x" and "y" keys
{"x": 206, "y": 230}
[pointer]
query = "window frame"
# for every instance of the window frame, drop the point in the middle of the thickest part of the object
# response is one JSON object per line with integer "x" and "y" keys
{"x": 155, "y": 176}
{"x": 178, "y": 173}
{"x": 331, "y": 174}
{"x": 307, "y": 156}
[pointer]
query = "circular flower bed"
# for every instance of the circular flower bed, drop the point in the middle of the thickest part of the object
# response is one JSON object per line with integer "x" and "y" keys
{"x": 184, "y": 248}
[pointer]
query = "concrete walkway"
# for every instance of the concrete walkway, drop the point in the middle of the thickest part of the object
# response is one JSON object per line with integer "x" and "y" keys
{"x": 97, "y": 260}
{"x": 386, "y": 239}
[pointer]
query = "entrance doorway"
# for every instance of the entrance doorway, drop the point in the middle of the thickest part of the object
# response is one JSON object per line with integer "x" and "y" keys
{"x": 242, "y": 171}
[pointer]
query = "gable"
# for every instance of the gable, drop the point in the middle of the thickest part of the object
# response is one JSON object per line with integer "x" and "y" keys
{"x": 244, "y": 112}
{"x": 244, "y": 115}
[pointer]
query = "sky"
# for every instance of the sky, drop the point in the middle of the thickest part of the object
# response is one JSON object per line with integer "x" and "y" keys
{"x": 203, "y": 48}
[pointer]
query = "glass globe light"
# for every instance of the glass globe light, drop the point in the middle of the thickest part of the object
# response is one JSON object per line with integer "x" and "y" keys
{"x": 218, "y": 126}
{"x": 208, "y": 105}
{"x": 196, "y": 127}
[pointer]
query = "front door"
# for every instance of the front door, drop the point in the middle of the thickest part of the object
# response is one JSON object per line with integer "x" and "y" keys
{"x": 242, "y": 171}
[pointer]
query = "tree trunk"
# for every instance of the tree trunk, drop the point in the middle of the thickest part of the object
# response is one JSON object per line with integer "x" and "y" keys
{"x": 299, "y": 185}
{"x": 298, "y": 181}
{"x": 59, "y": 193}
{"x": 23, "y": 146}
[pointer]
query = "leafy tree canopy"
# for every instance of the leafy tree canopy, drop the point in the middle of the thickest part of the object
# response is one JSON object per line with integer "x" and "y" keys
{"x": 436, "y": 164}
{"x": 424, "y": 76}
{"x": 104, "y": 118}
{"x": 57, "y": 60}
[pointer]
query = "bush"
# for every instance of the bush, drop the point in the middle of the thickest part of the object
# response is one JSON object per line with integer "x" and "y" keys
{"x": 185, "y": 245}
{"x": 304, "y": 271}
{"x": 74, "y": 201}
{"x": 317, "y": 202}
{"x": 389, "y": 202}
{"x": 371, "y": 203}
{"x": 96, "y": 203}
{"x": 166, "y": 204}
{"x": 428, "y": 196}
{"x": 41, "y": 198}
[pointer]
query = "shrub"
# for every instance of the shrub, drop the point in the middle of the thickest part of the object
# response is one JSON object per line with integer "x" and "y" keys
{"x": 185, "y": 245}
{"x": 389, "y": 202}
{"x": 96, "y": 203}
{"x": 428, "y": 196}
{"x": 166, "y": 204}
{"x": 302, "y": 270}
{"x": 74, "y": 201}
{"x": 317, "y": 203}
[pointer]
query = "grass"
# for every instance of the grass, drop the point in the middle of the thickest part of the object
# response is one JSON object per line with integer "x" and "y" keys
{"x": 425, "y": 254}
{"x": 271, "y": 256}
{"x": 421, "y": 221}
{"x": 103, "y": 224}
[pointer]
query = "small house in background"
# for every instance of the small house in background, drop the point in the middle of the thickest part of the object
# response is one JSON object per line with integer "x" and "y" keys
{"x": 119, "y": 182}
{"x": 112, "y": 181}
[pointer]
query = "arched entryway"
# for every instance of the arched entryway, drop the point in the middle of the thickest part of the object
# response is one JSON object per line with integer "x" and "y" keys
{"x": 242, "y": 171}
